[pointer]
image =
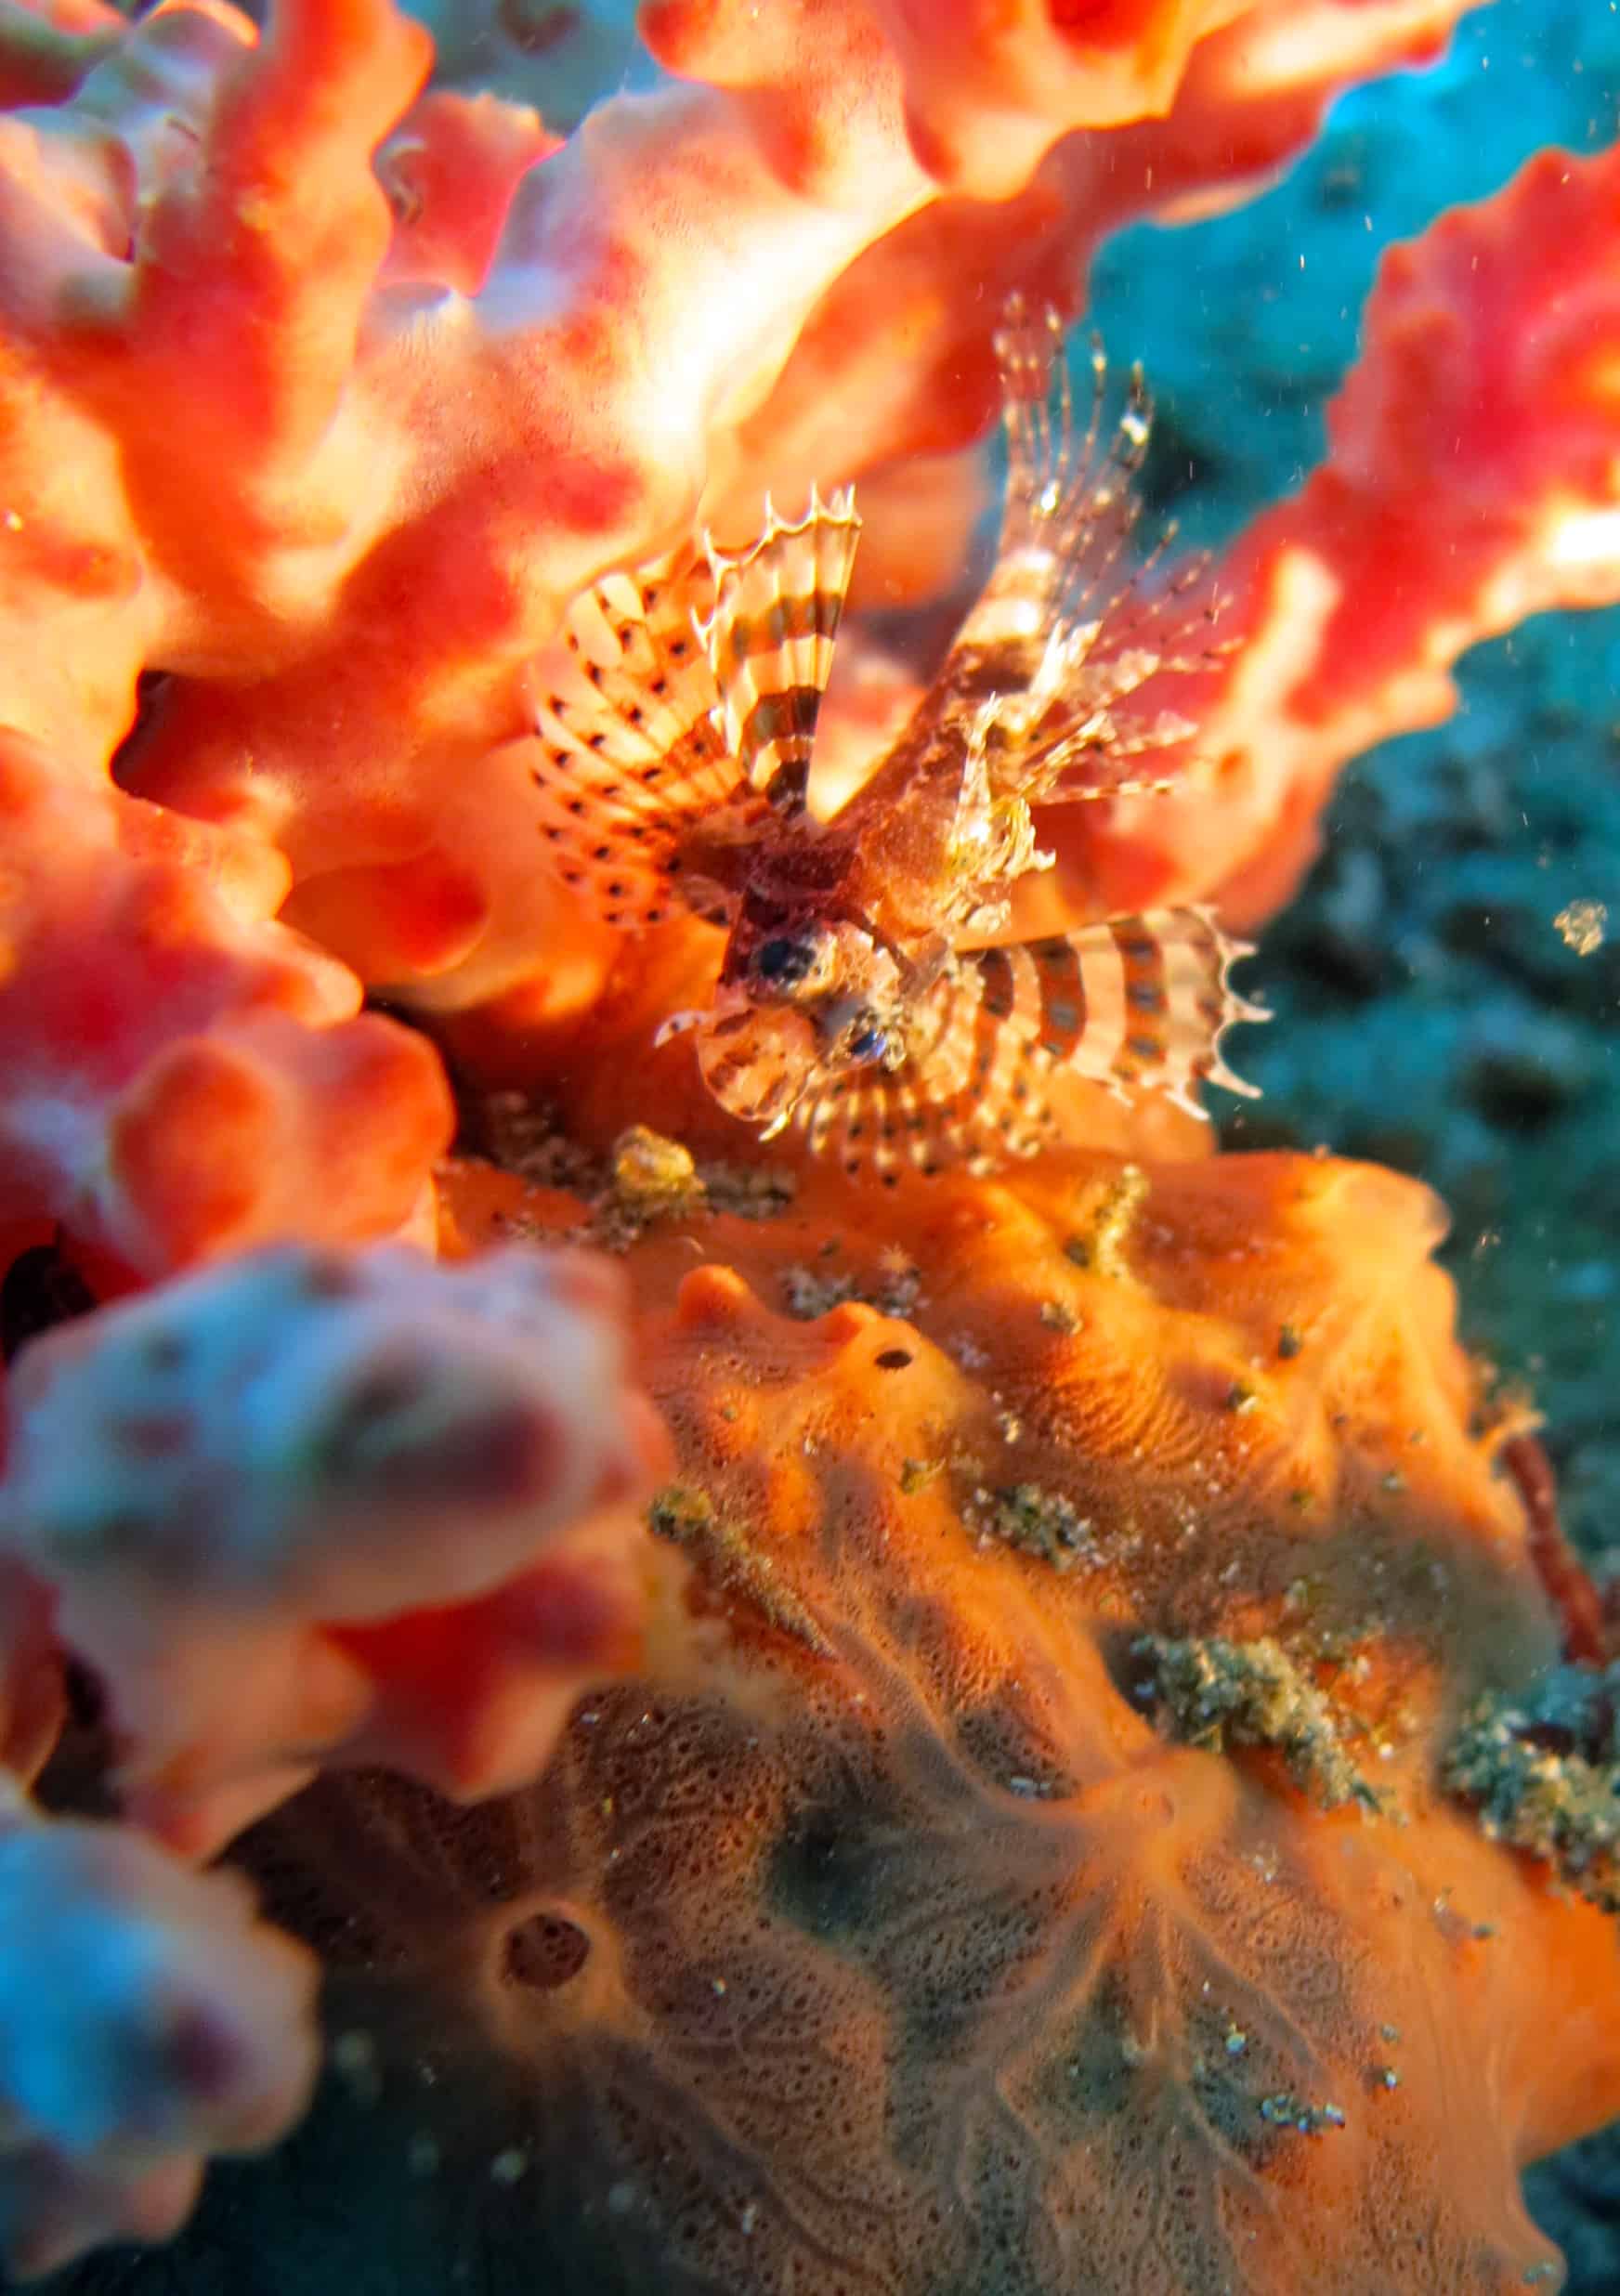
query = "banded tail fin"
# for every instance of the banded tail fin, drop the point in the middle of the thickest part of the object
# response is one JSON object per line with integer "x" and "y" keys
{"x": 769, "y": 641}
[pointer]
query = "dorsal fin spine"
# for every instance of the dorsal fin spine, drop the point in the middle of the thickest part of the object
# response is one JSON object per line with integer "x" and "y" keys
{"x": 769, "y": 638}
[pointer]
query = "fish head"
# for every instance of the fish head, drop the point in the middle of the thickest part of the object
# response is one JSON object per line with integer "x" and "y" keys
{"x": 795, "y": 1008}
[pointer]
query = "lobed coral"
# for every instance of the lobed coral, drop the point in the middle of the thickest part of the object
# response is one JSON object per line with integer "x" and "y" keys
{"x": 147, "y": 2020}
{"x": 184, "y": 1076}
{"x": 307, "y": 1507}
{"x": 1077, "y": 1810}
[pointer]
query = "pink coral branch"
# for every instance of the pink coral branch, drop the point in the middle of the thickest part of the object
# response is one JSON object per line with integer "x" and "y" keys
{"x": 450, "y": 171}
{"x": 315, "y": 1507}
{"x": 896, "y": 361}
{"x": 148, "y": 2021}
{"x": 345, "y": 504}
{"x": 1472, "y": 482}
{"x": 183, "y": 1075}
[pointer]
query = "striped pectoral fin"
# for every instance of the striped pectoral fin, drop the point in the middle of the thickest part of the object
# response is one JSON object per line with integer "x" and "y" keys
{"x": 883, "y": 1125}
{"x": 769, "y": 641}
{"x": 626, "y": 755}
{"x": 1141, "y": 1003}
{"x": 624, "y": 859}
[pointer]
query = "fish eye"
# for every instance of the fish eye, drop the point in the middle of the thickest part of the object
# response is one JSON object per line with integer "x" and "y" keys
{"x": 783, "y": 961}
{"x": 868, "y": 1044}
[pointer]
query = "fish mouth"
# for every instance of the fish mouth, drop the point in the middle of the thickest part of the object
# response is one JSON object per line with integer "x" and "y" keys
{"x": 757, "y": 1062}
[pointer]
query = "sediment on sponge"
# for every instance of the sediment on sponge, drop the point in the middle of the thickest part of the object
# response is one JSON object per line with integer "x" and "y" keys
{"x": 1541, "y": 1769}
{"x": 1220, "y": 1694}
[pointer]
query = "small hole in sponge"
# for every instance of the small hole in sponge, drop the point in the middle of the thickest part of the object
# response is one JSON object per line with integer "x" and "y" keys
{"x": 892, "y": 1359}
{"x": 544, "y": 1952}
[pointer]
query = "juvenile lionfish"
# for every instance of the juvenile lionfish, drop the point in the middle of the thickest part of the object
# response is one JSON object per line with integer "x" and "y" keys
{"x": 858, "y": 1000}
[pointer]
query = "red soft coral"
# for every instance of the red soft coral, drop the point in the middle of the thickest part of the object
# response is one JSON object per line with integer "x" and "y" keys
{"x": 185, "y": 1077}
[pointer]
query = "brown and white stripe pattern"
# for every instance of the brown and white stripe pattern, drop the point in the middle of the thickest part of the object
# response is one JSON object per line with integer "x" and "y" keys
{"x": 1071, "y": 504}
{"x": 769, "y": 641}
{"x": 686, "y": 688}
{"x": 671, "y": 762}
{"x": 1065, "y": 636}
{"x": 1138, "y": 1004}
{"x": 1158, "y": 1001}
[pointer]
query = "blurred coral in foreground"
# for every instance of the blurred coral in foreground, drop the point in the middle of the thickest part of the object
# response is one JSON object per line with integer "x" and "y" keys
{"x": 247, "y": 1490}
{"x": 1082, "y": 1801}
{"x": 147, "y": 2020}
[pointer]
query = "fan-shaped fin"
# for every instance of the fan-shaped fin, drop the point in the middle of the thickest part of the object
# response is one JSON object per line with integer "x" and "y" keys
{"x": 970, "y": 1093}
{"x": 922, "y": 1116}
{"x": 769, "y": 641}
{"x": 1070, "y": 504}
{"x": 755, "y": 1060}
{"x": 1068, "y": 498}
{"x": 628, "y": 757}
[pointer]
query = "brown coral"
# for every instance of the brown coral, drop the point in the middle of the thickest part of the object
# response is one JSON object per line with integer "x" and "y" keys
{"x": 956, "y": 1969}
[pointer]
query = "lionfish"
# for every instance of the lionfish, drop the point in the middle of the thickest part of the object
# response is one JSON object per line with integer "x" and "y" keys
{"x": 861, "y": 999}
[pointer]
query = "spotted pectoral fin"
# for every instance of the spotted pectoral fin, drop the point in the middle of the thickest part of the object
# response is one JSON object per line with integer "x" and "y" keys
{"x": 627, "y": 870}
{"x": 971, "y": 1090}
{"x": 1138, "y": 1004}
{"x": 769, "y": 641}
{"x": 627, "y": 756}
